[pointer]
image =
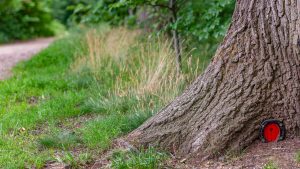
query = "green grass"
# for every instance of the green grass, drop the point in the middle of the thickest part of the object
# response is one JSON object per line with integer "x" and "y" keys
{"x": 43, "y": 78}
{"x": 99, "y": 133}
{"x": 143, "y": 159}
{"x": 270, "y": 165}
{"x": 72, "y": 99}
{"x": 298, "y": 156}
{"x": 60, "y": 140}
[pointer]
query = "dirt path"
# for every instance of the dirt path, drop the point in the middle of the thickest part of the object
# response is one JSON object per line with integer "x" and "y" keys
{"x": 11, "y": 54}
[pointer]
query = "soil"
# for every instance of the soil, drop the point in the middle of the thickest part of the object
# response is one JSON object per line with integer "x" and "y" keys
{"x": 282, "y": 154}
{"x": 11, "y": 54}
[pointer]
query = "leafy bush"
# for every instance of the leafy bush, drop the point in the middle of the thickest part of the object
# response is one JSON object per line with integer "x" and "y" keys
{"x": 60, "y": 10}
{"x": 95, "y": 11}
{"x": 205, "y": 20}
{"x": 22, "y": 20}
{"x": 196, "y": 20}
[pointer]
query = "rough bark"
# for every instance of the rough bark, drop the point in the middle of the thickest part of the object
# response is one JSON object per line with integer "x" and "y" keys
{"x": 254, "y": 75}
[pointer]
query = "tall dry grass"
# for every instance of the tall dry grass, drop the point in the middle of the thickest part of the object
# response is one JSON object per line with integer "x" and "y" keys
{"x": 147, "y": 63}
{"x": 133, "y": 77}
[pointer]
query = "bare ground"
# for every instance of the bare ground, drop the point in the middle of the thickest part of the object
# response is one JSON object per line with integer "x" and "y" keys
{"x": 11, "y": 54}
{"x": 282, "y": 154}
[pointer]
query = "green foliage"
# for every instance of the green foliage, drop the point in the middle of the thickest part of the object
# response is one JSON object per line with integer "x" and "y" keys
{"x": 198, "y": 20}
{"x": 24, "y": 19}
{"x": 144, "y": 159}
{"x": 60, "y": 11}
{"x": 95, "y": 11}
{"x": 204, "y": 20}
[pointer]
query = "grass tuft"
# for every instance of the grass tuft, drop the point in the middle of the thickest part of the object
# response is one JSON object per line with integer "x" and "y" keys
{"x": 62, "y": 140}
{"x": 270, "y": 165}
{"x": 100, "y": 132}
{"x": 144, "y": 159}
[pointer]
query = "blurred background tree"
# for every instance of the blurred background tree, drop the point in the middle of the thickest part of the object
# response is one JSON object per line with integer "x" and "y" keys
{"x": 197, "y": 22}
{"x": 192, "y": 21}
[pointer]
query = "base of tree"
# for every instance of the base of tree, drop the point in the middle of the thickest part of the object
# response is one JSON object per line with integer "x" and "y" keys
{"x": 254, "y": 75}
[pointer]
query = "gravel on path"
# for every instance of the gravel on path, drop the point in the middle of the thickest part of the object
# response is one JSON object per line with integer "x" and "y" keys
{"x": 11, "y": 54}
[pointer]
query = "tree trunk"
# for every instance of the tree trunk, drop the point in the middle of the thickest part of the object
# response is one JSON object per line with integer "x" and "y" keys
{"x": 254, "y": 75}
{"x": 176, "y": 41}
{"x": 176, "y": 44}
